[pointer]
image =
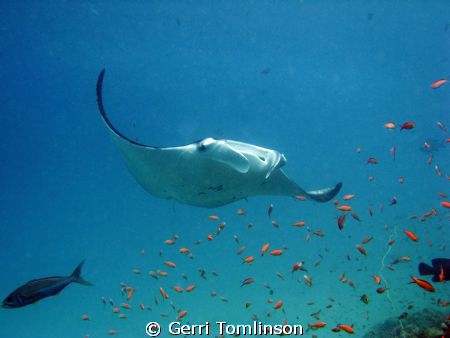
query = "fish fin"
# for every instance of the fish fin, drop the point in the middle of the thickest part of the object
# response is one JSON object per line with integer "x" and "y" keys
{"x": 76, "y": 275}
{"x": 324, "y": 195}
{"x": 425, "y": 269}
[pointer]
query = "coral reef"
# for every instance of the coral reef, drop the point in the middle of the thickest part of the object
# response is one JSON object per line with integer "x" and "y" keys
{"x": 423, "y": 324}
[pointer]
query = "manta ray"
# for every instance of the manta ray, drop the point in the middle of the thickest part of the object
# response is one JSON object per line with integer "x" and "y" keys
{"x": 208, "y": 173}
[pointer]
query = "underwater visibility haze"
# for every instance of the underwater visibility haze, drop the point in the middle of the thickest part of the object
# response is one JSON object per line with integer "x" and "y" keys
{"x": 228, "y": 121}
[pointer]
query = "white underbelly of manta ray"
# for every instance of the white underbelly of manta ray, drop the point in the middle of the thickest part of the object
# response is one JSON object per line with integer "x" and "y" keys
{"x": 209, "y": 173}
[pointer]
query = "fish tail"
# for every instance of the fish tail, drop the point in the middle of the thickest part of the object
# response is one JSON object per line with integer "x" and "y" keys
{"x": 76, "y": 275}
{"x": 425, "y": 269}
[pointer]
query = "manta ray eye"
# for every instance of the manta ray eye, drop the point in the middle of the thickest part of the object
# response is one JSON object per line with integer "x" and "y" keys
{"x": 262, "y": 158}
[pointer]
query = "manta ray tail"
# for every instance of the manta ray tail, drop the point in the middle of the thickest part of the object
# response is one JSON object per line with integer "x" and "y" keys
{"x": 324, "y": 195}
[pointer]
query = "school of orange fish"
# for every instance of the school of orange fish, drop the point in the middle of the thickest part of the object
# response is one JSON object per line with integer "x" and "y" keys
{"x": 166, "y": 292}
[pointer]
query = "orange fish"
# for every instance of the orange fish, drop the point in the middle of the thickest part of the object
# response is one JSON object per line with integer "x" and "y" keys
{"x": 241, "y": 250}
{"x": 423, "y": 284}
{"x": 241, "y": 212}
{"x": 300, "y": 198}
{"x": 163, "y": 293}
{"x": 184, "y": 250}
{"x": 367, "y": 239}
{"x": 389, "y": 125}
{"x": 346, "y": 328}
{"x": 130, "y": 293}
{"x": 284, "y": 324}
{"x": 163, "y": 273}
{"x": 441, "y": 275}
{"x": 210, "y": 237}
{"x": 438, "y": 83}
{"x": 319, "y": 233}
{"x": 169, "y": 241}
{"x": 377, "y": 279}
{"x": 190, "y": 288}
{"x": 344, "y": 208}
{"x": 317, "y": 325}
{"x": 446, "y": 204}
{"x": 276, "y": 252}
{"x": 408, "y": 125}
{"x": 443, "y": 195}
{"x": 182, "y": 314}
{"x": 126, "y": 306}
{"x": 298, "y": 224}
{"x": 308, "y": 280}
{"x": 278, "y": 305}
{"x": 361, "y": 249}
{"x": 336, "y": 202}
{"x": 296, "y": 266}
{"x": 214, "y": 218}
{"x": 438, "y": 171}
{"x": 248, "y": 259}
{"x": 177, "y": 288}
{"x": 348, "y": 197}
{"x": 411, "y": 235}
{"x": 172, "y": 265}
{"x": 264, "y": 249}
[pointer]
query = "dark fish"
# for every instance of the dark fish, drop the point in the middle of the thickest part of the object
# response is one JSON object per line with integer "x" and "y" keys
{"x": 356, "y": 217}
{"x": 403, "y": 315}
{"x": 341, "y": 221}
{"x": 435, "y": 269}
{"x": 432, "y": 145}
{"x": 269, "y": 210}
{"x": 37, "y": 289}
{"x": 365, "y": 299}
{"x": 247, "y": 281}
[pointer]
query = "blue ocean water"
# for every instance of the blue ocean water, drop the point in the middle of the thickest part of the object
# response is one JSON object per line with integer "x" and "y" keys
{"x": 314, "y": 80}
